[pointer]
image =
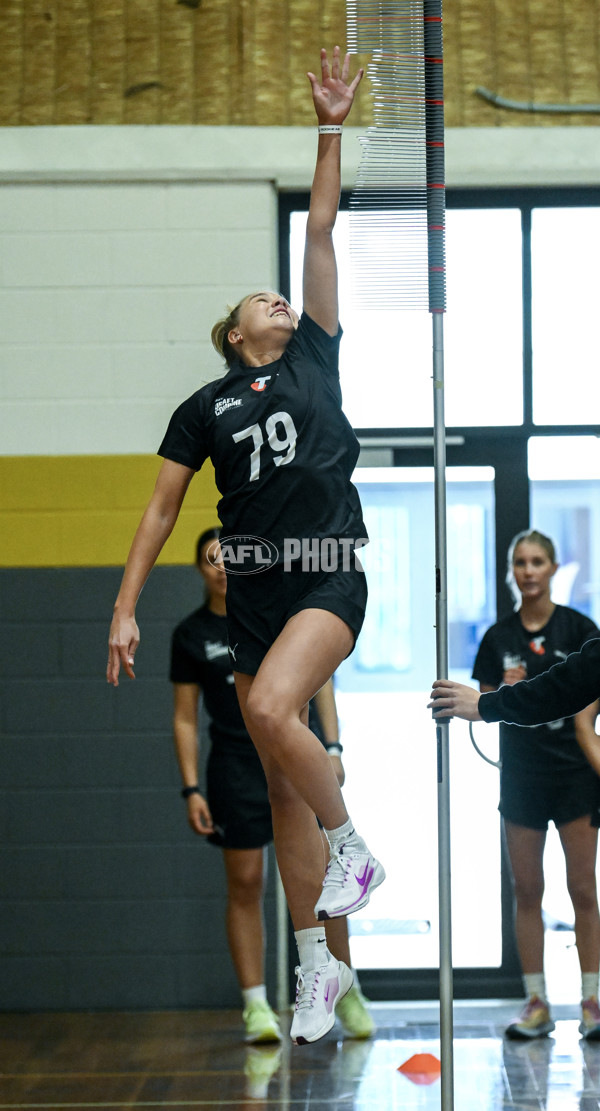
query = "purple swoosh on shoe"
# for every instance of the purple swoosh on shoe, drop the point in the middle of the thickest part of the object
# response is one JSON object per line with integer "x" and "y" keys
{"x": 366, "y": 876}
{"x": 363, "y": 883}
{"x": 330, "y": 995}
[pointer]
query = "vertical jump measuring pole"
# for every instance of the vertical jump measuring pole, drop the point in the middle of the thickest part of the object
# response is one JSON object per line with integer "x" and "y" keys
{"x": 397, "y": 243}
{"x": 436, "y": 213}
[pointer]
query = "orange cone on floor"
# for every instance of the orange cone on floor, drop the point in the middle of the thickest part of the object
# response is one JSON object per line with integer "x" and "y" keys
{"x": 421, "y": 1068}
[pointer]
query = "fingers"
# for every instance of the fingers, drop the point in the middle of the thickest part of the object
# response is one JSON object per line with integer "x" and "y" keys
{"x": 120, "y": 656}
{"x": 199, "y": 815}
{"x": 324, "y": 65}
{"x": 442, "y": 699}
{"x": 435, "y": 713}
{"x": 127, "y": 661}
{"x": 113, "y": 667}
{"x": 357, "y": 80}
{"x": 336, "y": 72}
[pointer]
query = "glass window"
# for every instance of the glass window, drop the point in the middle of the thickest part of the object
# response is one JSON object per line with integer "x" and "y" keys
{"x": 564, "y": 472}
{"x": 565, "y": 288}
{"x": 386, "y": 361}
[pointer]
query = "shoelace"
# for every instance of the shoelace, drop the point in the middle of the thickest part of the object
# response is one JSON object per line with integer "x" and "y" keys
{"x": 306, "y": 987}
{"x": 337, "y": 869}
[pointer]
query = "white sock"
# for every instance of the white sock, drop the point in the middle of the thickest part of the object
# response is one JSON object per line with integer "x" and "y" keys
{"x": 342, "y": 835}
{"x": 256, "y": 994}
{"x": 589, "y": 985}
{"x": 535, "y": 984}
{"x": 312, "y": 947}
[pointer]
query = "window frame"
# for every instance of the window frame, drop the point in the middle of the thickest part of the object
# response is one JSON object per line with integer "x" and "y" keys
{"x": 525, "y": 200}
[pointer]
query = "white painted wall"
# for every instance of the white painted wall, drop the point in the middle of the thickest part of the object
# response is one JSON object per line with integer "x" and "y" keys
{"x": 120, "y": 247}
{"x": 108, "y": 294}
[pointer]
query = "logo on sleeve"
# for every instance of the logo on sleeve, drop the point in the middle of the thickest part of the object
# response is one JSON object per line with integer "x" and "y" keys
{"x": 260, "y": 384}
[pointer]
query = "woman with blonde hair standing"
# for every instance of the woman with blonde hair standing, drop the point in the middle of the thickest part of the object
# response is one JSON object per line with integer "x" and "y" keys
{"x": 545, "y": 777}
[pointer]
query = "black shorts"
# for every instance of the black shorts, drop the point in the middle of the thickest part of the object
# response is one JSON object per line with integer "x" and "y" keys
{"x": 236, "y": 791}
{"x": 258, "y": 606}
{"x": 533, "y": 800}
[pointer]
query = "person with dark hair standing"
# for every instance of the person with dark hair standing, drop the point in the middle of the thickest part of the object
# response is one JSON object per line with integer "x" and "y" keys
{"x": 235, "y": 814}
{"x": 284, "y": 454}
{"x": 545, "y": 777}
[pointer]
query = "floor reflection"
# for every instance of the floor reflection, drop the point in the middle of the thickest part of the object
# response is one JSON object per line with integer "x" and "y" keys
{"x": 198, "y": 1059}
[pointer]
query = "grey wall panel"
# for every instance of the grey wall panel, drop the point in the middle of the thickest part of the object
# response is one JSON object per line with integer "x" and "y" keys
{"x": 107, "y": 899}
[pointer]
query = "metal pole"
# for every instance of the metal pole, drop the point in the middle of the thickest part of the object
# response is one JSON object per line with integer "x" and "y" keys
{"x": 442, "y": 729}
{"x": 283, "y": 996}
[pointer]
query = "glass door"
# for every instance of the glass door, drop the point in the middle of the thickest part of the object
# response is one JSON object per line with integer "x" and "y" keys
{"x": 388, "y": 735}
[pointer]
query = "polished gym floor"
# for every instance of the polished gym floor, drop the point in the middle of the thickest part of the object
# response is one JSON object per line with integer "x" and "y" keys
{"x": 193, "y": 1059}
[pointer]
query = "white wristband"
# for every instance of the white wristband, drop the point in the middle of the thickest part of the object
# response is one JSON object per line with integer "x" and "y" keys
{"x": 330, "y": 129}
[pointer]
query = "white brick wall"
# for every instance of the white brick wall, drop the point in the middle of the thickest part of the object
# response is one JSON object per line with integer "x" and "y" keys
{"x": 108, "y": 293}
{"x": 120, "y": 247}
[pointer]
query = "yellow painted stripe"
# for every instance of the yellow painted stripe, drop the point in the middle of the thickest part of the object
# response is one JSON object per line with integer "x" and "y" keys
{"x": 83, "y": 510}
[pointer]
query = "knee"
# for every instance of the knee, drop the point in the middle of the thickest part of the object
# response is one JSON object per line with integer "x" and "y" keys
{"x": 583, "y": 895}
{"x": 246, "y": 887}
{"x": 265, "y": 716}
{"x": 528, "y": 895}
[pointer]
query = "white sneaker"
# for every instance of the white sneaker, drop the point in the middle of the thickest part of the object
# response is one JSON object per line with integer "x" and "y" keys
{"x": 352, "y": 875}
{"x": 317, "y": 992}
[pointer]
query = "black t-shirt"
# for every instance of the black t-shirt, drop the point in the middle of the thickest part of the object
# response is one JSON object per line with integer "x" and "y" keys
{"x": 199, "y": 654}
{"x": 543, "y": 748}
{"x": 282, "y": 449}
{"x": 567, "y": 688}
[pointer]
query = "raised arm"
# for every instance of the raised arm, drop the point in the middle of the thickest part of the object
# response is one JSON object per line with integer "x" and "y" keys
{"x": 153, "y": 530}
{"x": 332, "y": 97}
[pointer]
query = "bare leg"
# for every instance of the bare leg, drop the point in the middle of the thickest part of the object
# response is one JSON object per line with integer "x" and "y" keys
{"x": 336, "y": 929}
{"x": 580, "y": 841}
{"x": 299, "y": 772}
{"x": 338, "y": 942}
{"x": 305, "y": 654}
{"x": 526, "y": 851}
{"x": 245, "y": 870}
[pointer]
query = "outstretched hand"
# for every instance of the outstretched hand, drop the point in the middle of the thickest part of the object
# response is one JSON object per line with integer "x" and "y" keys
{"x": 449, "y": 699}
{"x": 332, "y": 95}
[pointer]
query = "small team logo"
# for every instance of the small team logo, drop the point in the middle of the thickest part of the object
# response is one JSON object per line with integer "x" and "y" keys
{"x": 223, "y": 404}
{"x": 260, "y": 384}
{"x": 537, "y": 646}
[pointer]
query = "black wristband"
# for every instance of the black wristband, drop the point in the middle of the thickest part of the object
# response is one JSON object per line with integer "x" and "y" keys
{"x": 334, "y": 748}
{"x": 187, "y": 791}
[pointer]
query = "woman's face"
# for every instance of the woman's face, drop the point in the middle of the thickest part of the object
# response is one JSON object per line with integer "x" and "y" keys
{"x": 212, "y": 570}
{"x": 263, "y": 314}
{"x": 533, "y": 569}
